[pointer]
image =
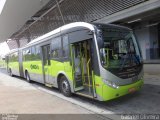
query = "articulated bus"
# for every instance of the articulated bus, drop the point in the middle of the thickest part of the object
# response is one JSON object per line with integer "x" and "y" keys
{"x": 99, "y": 61}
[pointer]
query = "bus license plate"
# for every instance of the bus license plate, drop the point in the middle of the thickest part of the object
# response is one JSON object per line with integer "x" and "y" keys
{"x": 132, "y": 90}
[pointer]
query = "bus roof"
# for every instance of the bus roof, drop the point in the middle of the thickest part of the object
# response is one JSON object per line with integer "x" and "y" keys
{"x": 90, "y": 26}
{"x": 58, "y": 30}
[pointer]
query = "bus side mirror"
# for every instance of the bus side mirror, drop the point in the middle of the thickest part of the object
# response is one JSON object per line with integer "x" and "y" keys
{"x": 103, "y": 55}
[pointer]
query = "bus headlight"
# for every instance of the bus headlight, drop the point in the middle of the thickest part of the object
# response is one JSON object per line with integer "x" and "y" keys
{"x": 111, "y": 84}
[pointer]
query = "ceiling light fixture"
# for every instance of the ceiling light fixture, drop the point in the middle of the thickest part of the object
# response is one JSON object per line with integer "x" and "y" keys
{"x": 152, "y": 24}
{"x": 136, "y": 20}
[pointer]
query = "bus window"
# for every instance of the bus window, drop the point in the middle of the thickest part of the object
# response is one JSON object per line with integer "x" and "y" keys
{"x": 56, "y": 48}
{"x": 27, "y": 54}
{"x": 13, "y": 57}
{"x": 33, "y": 50}
{"x": 65, "y": 46}
{"x": 37, "y": 53}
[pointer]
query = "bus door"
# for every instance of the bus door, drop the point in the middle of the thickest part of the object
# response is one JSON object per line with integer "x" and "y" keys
{"x": 82, "y": 69}
{"x": 47, "y": 65}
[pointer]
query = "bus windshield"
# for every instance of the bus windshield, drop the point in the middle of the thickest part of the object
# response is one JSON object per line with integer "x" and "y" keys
{"x": 120, "y": 50}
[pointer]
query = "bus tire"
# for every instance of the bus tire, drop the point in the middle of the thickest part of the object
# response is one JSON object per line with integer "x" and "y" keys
{"x": 65, "y": 87}
{"x": 10, "y": 72}
{"x": 27, "y": 77}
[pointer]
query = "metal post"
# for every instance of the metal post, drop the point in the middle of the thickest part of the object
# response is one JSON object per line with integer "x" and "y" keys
{"x": 60, "y": 12}
{"x": 18, "y": 43}
{"x": 28, "y": 36}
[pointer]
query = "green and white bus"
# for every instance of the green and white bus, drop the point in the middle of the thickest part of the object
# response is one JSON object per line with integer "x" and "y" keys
{"x": 99, "y": 61}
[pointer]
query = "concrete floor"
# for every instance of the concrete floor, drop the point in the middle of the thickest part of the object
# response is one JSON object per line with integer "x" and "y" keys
{"x": 18, "y": 96}
{"x": 29, "y": 101}
{"x": 152, "y": 69}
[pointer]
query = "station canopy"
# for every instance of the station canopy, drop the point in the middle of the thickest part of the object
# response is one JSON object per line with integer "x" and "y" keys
{"x": 20, "y": 23}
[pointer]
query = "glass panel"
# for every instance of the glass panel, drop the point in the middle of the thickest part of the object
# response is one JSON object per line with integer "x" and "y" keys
{"x": 37, "y": 53}
{"x": 56, "y": 47}
{"x": 27, "y": 54}
{"x": 120, "y": 51}
{"x": 13, "y": 57}
{"x": 65, "y": 46}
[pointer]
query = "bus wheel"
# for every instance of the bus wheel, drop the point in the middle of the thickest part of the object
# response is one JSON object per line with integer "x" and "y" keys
{"x": 10, "y": 73}
{"x": 28, "y": 77}
{"x": 65, "y": 87}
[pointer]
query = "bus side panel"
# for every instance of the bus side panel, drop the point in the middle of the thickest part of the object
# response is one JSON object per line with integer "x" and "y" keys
{"x": 98, "y": 87}
{"x": 68, "y": 70}
{"x": 60, "y": 63}
{"x": 34, "y": 69}
{"x": 59, "y": 67}
{"x": 20, "y": 63}
{"x": 13, "y": 63}
{"x": 14, "y": 66}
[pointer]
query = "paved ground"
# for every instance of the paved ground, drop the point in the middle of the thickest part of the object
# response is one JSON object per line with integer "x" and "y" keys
{"x": 18, "y": 96}
{"x": 153, "y": 69}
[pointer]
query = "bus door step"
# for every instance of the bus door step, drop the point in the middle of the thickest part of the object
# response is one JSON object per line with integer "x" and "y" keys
{"x": 85, "y": 95}
{"x": 48, "y": 85}
{"x": 79, "y": 88}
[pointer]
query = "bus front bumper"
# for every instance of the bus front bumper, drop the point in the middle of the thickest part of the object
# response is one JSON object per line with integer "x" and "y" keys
{"x": 112, "y": 93}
